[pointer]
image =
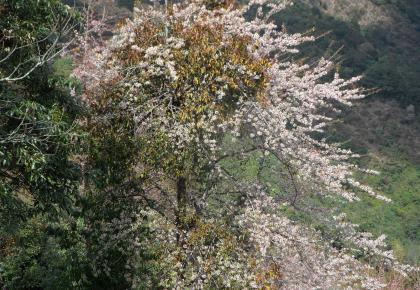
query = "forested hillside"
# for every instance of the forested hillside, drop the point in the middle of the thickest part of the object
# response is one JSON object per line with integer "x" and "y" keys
{"x": 209, "y": 144}
{"x": 379, "y": 40}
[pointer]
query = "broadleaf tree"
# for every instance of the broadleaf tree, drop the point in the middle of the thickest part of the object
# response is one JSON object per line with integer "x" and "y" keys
{"x": 39, "y": 236}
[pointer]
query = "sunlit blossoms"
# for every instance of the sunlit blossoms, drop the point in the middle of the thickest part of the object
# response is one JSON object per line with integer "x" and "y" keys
{"x": 210, "y": 89}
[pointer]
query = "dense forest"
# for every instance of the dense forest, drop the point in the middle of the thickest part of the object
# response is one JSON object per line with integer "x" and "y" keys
{"x": 209, "y": 144}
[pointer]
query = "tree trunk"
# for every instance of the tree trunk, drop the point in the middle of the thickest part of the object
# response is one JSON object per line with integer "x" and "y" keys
{"x": 181, "y": 196}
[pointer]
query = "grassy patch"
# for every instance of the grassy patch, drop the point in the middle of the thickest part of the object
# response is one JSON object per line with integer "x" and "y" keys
{"x": 400, "y": 219}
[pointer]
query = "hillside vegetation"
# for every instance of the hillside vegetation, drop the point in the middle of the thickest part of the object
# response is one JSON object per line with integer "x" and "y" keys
{"x": 209, "y": 144}
{"x": 379, "y": 40}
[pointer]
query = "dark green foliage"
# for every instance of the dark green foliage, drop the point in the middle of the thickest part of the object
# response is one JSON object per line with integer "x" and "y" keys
{"x": 388, "y": 59}
{"x": 59, "y": 186}
{"x": 40, "y": 245}
{"x": 340, "y": 35}
{"x": 37, "y": 113}
{"x": 32, "y": 31}
{"x": 396, "y": 76}
{"x": 46, "y": 255}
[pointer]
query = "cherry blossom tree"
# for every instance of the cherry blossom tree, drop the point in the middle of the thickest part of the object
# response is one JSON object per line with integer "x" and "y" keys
{"x": 203, "y": 89}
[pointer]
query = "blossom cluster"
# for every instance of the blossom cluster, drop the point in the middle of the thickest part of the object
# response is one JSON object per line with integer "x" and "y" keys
{"x": 192, "y": 76}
